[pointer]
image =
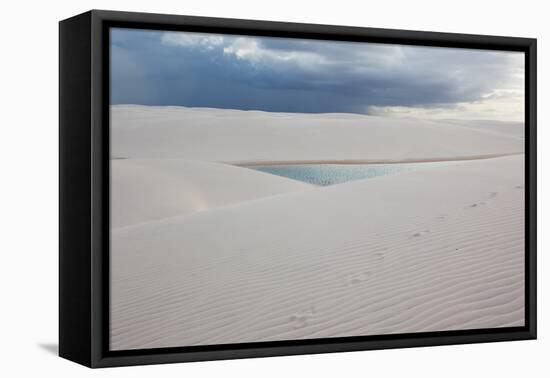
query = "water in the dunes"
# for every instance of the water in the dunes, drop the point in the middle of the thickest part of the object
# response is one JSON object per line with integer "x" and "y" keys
{"x": 330, "y": 174}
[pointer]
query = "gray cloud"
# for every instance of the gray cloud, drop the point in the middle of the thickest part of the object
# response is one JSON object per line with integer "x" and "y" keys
{"x": 279, "y": 74}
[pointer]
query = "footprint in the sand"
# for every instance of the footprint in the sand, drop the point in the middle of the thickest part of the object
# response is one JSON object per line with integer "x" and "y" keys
{"x": 420, "y": 233}
{"x": 379, "y": 256}
{"x": 380, "y": 253}
{"x": 441, "y": 217}
{"x": 301, "y": 319}
{"x": 356, "y": 278}
{"x": 475, "y": 205}
{"x": 493, "y": 194}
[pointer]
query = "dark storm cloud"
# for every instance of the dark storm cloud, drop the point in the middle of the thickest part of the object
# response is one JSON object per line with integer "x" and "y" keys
{"x": 272, "y": 74}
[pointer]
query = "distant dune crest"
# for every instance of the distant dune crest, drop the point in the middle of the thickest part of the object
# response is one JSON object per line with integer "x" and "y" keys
{"x": 251, "y": 136}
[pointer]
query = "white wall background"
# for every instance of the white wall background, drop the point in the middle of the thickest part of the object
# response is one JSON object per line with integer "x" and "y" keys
{"x": 28, "y": 158}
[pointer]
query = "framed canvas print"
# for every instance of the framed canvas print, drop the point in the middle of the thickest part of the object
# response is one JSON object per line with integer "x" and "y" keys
{"x": 234, "y": 188}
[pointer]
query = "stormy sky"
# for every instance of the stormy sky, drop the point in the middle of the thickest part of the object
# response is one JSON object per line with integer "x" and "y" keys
{"x": 311, "y": 76}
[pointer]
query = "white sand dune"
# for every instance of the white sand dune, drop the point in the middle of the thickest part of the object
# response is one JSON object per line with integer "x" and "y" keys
{"x": 244, "y": 137}
{"x": 149, "y": 189}
{"x": 515, "y": 129}
{"x": 428, "y": 250}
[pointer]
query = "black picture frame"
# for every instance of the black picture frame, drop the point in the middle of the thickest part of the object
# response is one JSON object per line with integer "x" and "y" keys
{"x": 84, "y": 188}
